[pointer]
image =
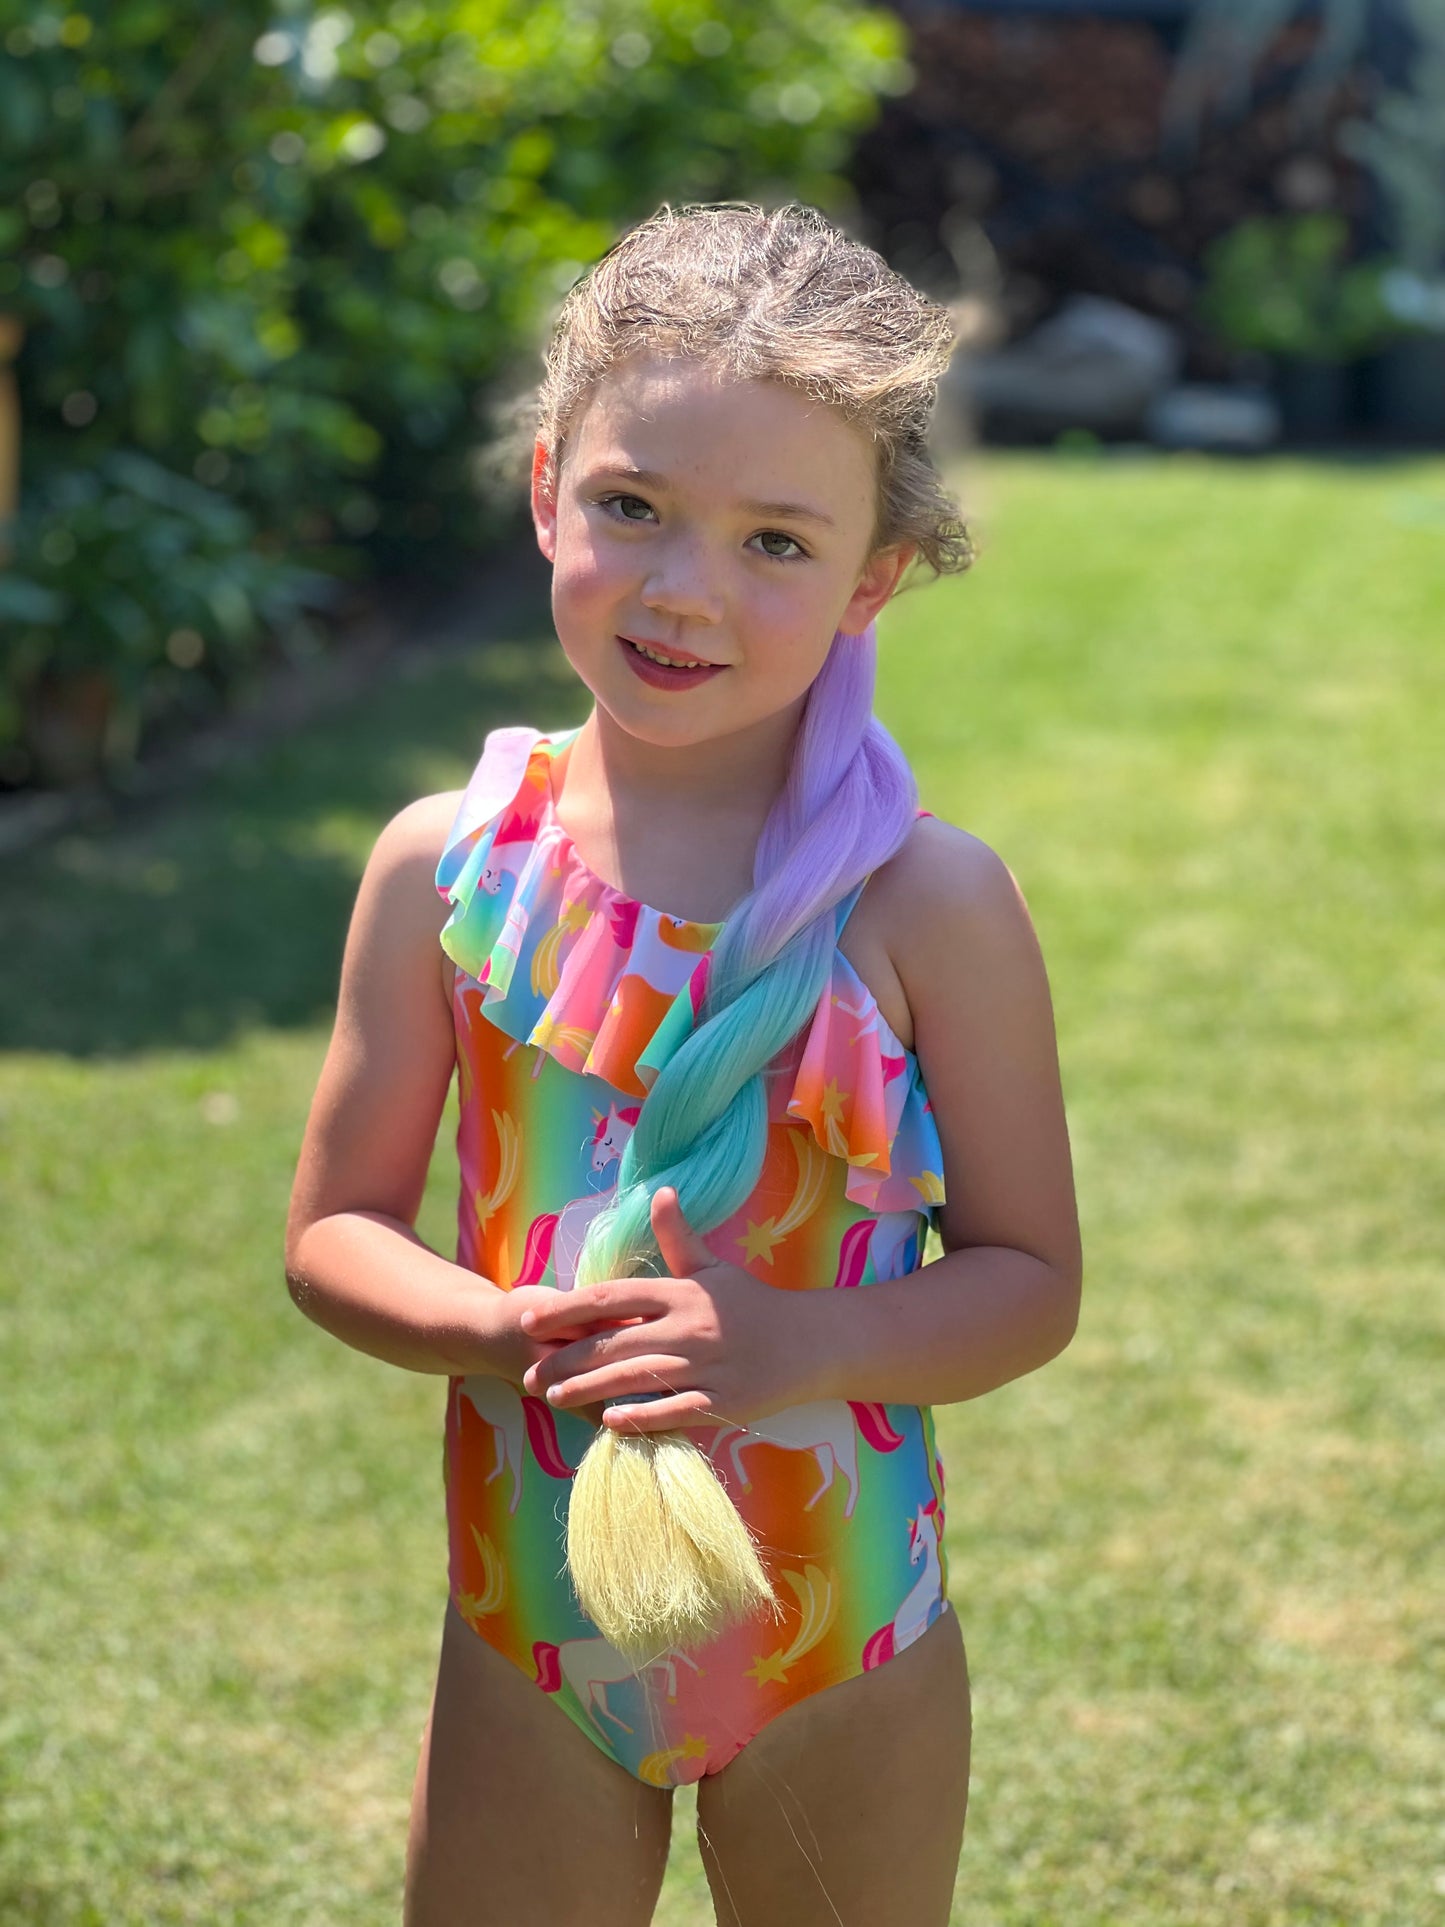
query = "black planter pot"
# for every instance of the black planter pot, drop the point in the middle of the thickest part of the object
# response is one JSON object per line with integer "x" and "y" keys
{"x": 1314, "y": 398}
{"x": 1402, "y": 391}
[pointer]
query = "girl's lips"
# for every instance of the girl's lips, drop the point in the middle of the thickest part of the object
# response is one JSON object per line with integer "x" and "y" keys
{"x": 659, "y": 677}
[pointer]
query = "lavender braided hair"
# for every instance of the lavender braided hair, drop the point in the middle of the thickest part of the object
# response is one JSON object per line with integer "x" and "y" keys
{"x": 785, "y": 297}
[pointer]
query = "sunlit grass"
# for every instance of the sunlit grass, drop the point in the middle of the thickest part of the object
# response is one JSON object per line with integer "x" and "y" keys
{"x": 1197, "y": 709}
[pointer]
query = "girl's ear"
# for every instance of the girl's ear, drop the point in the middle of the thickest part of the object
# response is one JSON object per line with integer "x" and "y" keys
{"x": 544, "y": 500}
{"x": 882, "y": 573}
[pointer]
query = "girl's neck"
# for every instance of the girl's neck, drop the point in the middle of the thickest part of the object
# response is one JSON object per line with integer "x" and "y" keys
{"x": 747, "y": 767}
{"x": 675, "y": 827}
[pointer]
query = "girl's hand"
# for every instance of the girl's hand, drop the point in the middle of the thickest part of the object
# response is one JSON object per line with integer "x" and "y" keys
{"x": 509, "y": 1350}
{"x": 711, "y": 1337}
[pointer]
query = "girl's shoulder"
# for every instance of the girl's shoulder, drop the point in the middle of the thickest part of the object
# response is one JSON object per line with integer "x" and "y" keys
{"x": 942, "y": 871}
{"x": 399, "y": 885}
{"x": 945, "y": 907}
{"x": 424, "y": 824}
{"x": 415, "y": 838}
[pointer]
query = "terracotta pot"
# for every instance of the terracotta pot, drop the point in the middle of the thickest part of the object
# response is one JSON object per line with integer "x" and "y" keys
{"x": 67, "y": 724}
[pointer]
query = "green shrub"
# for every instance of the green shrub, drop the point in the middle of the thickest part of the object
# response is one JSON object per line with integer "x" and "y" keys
{"x": 129, "y": 567}
{"x": 295, "y": 251}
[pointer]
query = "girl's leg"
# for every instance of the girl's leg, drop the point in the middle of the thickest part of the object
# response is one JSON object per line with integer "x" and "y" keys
{"x": 848, "y": 1808}
{"x": 517, "y": 1819}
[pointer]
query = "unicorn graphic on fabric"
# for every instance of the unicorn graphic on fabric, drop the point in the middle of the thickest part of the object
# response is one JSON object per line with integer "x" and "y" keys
{"x": 557, "y": 1237}
{"x": 888, "y": 1242}
{"x": 912, "y": 1617}
{"x": 516, "y": 833}
{"x": 610, "y": 1138}
{"x": 590, "y": 1666}
{"x": 829, "y": 1430}
{"x": 517, "y": 1420}
{"x": 518, "y": 836}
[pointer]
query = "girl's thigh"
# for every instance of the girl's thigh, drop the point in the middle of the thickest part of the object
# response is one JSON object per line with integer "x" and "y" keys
{"x": 849, "y": 1807}
{"x": 517, "y": 1819}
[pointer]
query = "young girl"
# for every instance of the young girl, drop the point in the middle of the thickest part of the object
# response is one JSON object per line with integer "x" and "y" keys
{"x": 703, "y": 958}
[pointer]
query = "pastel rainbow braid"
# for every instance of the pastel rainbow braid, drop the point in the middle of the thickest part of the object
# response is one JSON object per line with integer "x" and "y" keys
{"x": 848, "y": 805}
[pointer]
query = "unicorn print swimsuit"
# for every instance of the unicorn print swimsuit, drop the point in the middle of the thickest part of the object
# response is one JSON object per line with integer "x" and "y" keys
{"x": 568, "y": 998}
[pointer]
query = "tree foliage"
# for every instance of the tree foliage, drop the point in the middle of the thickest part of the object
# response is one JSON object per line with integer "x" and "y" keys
{"x": 292, "y": 252}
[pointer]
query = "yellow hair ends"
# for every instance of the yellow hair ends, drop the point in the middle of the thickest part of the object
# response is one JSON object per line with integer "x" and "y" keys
{"x": 658, "y": 1555}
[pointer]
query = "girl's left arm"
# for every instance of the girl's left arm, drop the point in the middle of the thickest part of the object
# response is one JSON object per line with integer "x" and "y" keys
{"x": 1004, "y": 1298}
{"x": 710, "y": 1340}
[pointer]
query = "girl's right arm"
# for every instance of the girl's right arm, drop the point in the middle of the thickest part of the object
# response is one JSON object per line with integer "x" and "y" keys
{"x": 354, "y": 1263}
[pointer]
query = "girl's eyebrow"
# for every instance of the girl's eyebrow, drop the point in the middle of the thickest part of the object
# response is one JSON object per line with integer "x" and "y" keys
{"x": 649, "y": 478}
{"x": 788, "y": 511}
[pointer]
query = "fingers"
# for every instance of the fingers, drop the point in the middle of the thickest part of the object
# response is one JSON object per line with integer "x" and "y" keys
{"x": 589, "y": 1353}
{"x": 684, "y": 1253}
{"x": 623, "y": 1377}
{"x": 554, "y": 1340}
{"x": 613, "y": 1302}
{"x": 660, "y": 1415}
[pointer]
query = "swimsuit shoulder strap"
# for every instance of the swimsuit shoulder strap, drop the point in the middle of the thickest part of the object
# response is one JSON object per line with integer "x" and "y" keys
{"x": 847, "y": 905}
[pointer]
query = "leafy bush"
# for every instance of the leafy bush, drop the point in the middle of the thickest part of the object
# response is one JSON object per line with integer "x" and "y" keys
{"x": 295, "y": 251}
{"x": 128, "y": 566}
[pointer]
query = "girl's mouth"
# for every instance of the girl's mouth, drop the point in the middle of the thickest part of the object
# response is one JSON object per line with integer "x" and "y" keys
{"x": 663, "y": 671}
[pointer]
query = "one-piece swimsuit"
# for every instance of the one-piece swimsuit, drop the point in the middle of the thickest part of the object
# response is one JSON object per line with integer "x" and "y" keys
{"x": 568, "y": 999}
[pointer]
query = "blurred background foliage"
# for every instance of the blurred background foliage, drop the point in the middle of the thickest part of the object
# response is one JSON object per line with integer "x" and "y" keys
{"x": 272, "y": 272}
{"x": 285, "y": 260}
{"x": 1289, "y": 287}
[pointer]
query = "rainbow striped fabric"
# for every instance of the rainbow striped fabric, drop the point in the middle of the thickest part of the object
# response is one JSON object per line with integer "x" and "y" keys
{"x": 568, "y": 997}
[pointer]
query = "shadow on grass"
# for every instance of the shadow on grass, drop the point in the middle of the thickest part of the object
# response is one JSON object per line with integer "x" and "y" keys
{"x": 50, "y": 1906}
{"x": 225, "y": 909}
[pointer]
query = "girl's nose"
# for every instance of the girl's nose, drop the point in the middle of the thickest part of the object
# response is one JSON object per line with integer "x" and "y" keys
{"x": 678, "y": 585}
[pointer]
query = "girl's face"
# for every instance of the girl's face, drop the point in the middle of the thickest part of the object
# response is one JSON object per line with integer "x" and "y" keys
{"x": 712, "y": 521}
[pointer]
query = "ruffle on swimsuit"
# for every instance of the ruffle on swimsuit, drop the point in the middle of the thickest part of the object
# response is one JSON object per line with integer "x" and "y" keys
{"x": 610, "y": 987}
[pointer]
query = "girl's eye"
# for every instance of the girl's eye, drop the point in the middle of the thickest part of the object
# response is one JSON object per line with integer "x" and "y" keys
{"x": 631, "y": 508}
{"x": 789, "y": 549}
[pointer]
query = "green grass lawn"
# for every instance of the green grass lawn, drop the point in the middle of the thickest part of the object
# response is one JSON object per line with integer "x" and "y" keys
{"x": 1198, "y": 709}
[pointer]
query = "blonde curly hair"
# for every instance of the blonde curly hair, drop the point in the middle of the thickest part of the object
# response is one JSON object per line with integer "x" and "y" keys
{"x": 780, "y": 296}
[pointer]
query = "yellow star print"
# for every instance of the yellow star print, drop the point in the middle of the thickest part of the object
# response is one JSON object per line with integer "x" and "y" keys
{"x": 768, "y": 1667}
{"x": 830, "y": 1103}
{"x": 693, "y": 1747}
{"x": 760, "y": 1240}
